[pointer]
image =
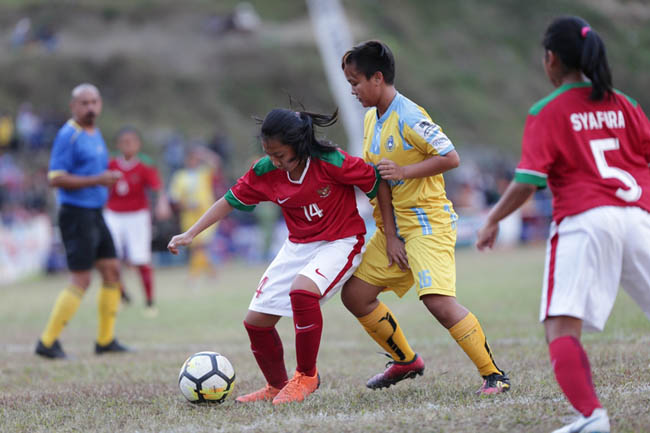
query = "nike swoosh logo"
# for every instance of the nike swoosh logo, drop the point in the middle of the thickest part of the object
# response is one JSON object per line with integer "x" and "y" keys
{"x": 280, "y": 201}
{"x": 304, "y": 327}
{"x": 318, "y": 272}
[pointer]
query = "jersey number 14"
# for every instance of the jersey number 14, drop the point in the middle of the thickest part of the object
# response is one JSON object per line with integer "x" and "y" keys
{"x": 312, "y": 211}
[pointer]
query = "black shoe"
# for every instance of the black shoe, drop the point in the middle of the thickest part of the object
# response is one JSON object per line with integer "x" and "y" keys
{"x": 53, "y": 352}
{"x": 112, "y": 347}
{"x": 126, "y": 299}
{"x": 494, "y": 384}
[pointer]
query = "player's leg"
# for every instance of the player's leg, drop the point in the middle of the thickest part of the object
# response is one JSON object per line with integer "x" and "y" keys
{"x": 118, "y": 226}
{"x": 581, "y": 277}
{"x": 433, "y": 264}
{"x": 270, "y": 301}
{"x": 325, "y": 267}
{"x": 359, "y": 295}
{"x": 138, "y": 247}
{"x": 267, "y": 349}
{"x": 79, "y": 239}
{"x": 108, "y": 298}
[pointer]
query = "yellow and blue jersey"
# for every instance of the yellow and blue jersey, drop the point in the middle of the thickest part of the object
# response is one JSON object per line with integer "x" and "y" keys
{"x": 406, "y": 134}
{"x": 76, "y": 151}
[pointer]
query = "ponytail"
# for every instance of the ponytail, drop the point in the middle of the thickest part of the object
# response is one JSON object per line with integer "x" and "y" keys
{"x": 297, "y": 130}
{"x": 579, "y": 47}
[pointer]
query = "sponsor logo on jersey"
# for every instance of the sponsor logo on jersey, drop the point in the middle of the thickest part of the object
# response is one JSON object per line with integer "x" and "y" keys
{"x": 426, "y": 129}
{"x": 324, "y": 191}
{"x": 282, "y": 200}
{"x": 390, "y": 144}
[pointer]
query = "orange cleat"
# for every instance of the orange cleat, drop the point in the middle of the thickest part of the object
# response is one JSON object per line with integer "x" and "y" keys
{"x": 298, "y": 388}
{"x": 265, "y": 394}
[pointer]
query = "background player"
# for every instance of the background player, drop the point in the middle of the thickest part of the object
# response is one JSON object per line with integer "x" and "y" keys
{"x": 411, "y": 152}
{"x": 78, "y": 168}
{"x": 591, "y": 144}
{"x": 127, "y": 210}
{"x": 313, "y": 182}
{"x": 191, "y": 190}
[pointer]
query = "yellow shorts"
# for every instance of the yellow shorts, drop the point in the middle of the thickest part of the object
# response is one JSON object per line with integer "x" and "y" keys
{"x": 432, "y": 262}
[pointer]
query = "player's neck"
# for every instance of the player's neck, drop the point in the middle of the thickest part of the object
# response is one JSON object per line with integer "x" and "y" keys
{"x": 385, "y": 100}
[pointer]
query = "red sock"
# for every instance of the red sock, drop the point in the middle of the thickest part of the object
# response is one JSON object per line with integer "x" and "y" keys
{"x": 308, "y": 322}
{"x": 573, "y": 373}
{"x": 147, "y": 282}
{"x": 269, "y": 354}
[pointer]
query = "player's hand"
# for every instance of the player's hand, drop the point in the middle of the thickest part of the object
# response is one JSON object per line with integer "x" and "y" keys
{"x": 396, "y": 253}
{"x": 163, "y": 210}
{"x": 487, "y": 235}
{"x": 181, "y": 240}
{"x": 390, "y": 170}
{"x": 109, "y": 177}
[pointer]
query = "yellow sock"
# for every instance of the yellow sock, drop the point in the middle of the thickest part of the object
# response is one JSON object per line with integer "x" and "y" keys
{"x": 382, "y": 326}
{"x": 64, "y": 308}
{"x": 199, "y": 262}
{"x": 108, "y": 300}
{"x": 469, "y": 335}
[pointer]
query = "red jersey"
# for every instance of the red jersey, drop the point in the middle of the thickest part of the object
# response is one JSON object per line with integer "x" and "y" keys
{"x": 321, "y": 205}
{"x": 129, "y": 192}
{"x": 592, "y": 153}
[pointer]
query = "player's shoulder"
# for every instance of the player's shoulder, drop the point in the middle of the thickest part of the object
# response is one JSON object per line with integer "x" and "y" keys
{"x": 409, "y": 112}
{"x": 335, "y": 158}
{"x": 68, "y": 130}
{"x": 263, "y": 166}
{"x": 559, "y": 98}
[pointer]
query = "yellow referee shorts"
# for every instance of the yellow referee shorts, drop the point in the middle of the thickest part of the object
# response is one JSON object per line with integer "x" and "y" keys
{"x": 432, "y": 262}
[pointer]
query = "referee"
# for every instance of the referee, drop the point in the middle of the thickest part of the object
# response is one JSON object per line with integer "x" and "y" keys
{"x": 78, "y": 168}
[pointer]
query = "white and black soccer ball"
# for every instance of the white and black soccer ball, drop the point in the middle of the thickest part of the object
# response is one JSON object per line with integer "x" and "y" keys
{"x": 206, "y": 377}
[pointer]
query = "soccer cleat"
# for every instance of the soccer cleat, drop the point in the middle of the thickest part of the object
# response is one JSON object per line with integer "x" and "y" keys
{"x": 150, "y": 312}
{"x": 494, "y": 384}
{"x": 265, "y": 394}
{"x": 53, "y": 352}
{"x": 125, "y": 297}
{"x": 112, "y": 347}
{"x": 598, "y": 422}
{"x": 397, "y": 371}
{"x": 298, "y": 388}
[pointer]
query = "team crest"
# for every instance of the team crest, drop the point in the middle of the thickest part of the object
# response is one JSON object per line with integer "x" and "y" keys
{"x": 390, "y": 144}
{"x": 324, "y": 191}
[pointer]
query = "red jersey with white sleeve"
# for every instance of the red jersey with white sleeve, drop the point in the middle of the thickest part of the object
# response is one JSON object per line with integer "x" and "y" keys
{"x": 321, "y": 205}
{"x": 129, "y": 193}
{"x": 591, "y": 153}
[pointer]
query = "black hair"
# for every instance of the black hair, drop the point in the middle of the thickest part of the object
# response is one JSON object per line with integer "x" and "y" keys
{"x": 579, "y": 47}
{"x": 297, "y": 129}
{"x": 129, "y": 129}
{"x": 370, "y": 57}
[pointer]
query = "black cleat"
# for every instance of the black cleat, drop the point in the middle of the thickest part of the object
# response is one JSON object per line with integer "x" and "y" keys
{"x": 53, "y": 352}
{"x": 397, "y": 371}
{"x": 494, "y": 384}
{"x": 112, "y": 347}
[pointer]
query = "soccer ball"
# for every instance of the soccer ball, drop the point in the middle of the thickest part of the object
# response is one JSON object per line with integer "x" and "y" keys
{"x": 206, "y": 377}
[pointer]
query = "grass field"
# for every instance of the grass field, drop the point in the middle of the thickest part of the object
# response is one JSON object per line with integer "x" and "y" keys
{"x": 138, "y": 392}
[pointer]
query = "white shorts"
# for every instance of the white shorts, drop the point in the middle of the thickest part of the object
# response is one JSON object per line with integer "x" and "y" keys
{"x": 131, "y": 232}
{"x": 588, "y": 256}
{"x": 328, "y": 264}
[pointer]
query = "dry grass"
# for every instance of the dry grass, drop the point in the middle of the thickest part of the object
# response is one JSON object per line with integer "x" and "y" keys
{"x": 138, "y": 392}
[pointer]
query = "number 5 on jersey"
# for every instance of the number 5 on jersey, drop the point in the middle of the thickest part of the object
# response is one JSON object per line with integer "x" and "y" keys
{"x": 312, "y": 211}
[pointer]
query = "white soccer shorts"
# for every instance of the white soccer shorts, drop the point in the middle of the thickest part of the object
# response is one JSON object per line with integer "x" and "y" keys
{"x": 588, "y": 256}
{"x": 328, "y": 264}
{"x": 131, "y": 232}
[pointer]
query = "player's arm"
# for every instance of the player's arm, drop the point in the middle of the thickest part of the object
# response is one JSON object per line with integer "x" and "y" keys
{"x": 431, "y": 166}
{"x": 62, "y": 179}
{"x": 516, "y": 195}
{"x": 394, "y": 246}
{"x": 218, "y": 211}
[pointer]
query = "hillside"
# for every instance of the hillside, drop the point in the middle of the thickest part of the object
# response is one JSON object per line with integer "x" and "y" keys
{"x": 162, "y": 65}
